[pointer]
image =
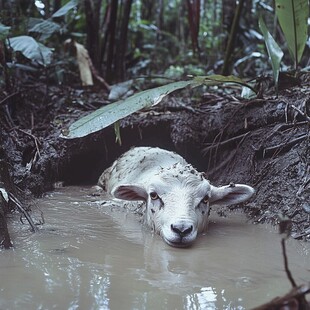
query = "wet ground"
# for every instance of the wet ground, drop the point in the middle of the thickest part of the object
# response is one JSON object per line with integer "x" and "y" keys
{"x": 90, "y": 256}
{"x": 263, "y": 142}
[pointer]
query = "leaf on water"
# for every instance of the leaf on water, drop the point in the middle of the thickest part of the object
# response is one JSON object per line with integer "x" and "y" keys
{"x": 274, "y": 51}
{"x": 31, "y": 49}
{"x": 113, "y": 112}
{"x": 293, "y": 19}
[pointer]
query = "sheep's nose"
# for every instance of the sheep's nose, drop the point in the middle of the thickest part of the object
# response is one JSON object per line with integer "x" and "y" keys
{"x": 182, "y": 229}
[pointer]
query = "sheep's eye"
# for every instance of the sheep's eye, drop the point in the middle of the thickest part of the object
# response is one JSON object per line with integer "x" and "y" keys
{"x": 205, "y": 199}
{"x": 154, "y": 195}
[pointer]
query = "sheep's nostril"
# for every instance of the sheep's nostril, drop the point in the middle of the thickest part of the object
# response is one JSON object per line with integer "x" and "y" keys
{"x": 182, "y": 229}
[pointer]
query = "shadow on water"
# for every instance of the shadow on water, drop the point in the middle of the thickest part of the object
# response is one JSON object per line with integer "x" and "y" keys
{"x": 89, "y": 256}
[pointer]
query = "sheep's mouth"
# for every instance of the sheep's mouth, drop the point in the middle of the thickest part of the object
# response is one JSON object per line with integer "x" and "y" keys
{"x": 181, "y": 243}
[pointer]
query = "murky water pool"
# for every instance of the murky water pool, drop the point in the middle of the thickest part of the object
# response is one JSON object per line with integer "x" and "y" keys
{"x": 88, "y": 256}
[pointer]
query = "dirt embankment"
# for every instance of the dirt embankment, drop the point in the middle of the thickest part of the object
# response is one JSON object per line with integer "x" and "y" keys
{"x": 262, "y": 142}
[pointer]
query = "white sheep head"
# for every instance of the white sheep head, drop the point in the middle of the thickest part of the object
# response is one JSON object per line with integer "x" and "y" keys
{"x": 178, "y": 201}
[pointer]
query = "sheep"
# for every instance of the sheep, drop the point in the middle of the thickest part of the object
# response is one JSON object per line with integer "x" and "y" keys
{"x": 176, "y": 197}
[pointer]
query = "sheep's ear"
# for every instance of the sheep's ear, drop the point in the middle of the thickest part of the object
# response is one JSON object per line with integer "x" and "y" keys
{"x": 130, "y": 192}
{"x": 230, "y": 194}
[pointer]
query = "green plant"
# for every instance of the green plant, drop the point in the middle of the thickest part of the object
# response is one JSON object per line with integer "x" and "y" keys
{"x": 36, "y": 55}
{"x": 107, "y": 115}
{"x": 293, "y": 19}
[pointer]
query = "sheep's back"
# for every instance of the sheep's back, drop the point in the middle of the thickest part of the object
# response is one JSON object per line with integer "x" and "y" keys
{"x": 137, "y": 166}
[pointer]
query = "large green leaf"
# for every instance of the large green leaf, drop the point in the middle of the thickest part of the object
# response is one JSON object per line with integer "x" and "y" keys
{"x": 31, "y": 49}
{"x": 113, "y": 112}
{"x": 274, "y": 51}
{"x": 293, "y": 16}
{"x": 65, "y": 9}
{"x": 46, "y": 28}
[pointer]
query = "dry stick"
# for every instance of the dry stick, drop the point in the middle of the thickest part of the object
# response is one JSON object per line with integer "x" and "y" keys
{"x": 301, "y": 113}
{"x": 270, "y": 151}
{"x": 303, "y": 304}
{"x": 295, "y": 293}
{"x": 223, "y": 143}
{"x": 288, "y": 272}
{"x": 24, "y": 212}
{"x": 204, "y": 151}
{"x": 36, "y": 140}
{"x": 223, "y": 164}
{"x": 3, "y": 101}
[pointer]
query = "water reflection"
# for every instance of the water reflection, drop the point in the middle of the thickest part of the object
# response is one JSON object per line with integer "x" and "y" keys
{"x": 90, "y": 256}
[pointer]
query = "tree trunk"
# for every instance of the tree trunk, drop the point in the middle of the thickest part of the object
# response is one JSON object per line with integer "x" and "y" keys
{"x": 111, "y": 33}
{"x": 92, "y": 12}
{"x": 231, "y": 40}
{"x": 120, "y": 60}
{"x": 193, "y": 7}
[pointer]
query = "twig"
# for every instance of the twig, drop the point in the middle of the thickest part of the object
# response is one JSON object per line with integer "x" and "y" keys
{"x": 9, "y": 97}
{"x": 36, "y": 140}
{"x": 270, "y": 151}
{"x": 24, "y": 212}
{"x": 296, "y": 296}
{"x": 295, "y": 293}
{"x": 223, "y": 143}
{"x": 288, "y": 272}
{"x": 223, "y": 164}
{"x": 301, "y": 113}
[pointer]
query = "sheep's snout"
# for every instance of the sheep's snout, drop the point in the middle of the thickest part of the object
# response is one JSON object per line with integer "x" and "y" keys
{"x": 179, "y": 233}
{"x": 181, "y": 228}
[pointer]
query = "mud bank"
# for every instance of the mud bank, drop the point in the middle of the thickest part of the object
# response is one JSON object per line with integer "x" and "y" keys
{"x": 261, "y": 142}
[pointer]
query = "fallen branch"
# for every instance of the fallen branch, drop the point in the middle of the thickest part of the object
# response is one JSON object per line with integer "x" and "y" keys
{"x": 275, "y": 150}
{"x": 287, "y": 270}
{"x": 36, "y": 140}
{"x": 23, "y": 211}
{"x": 295, "y": 299}
{"x": 291, "y": 300}
{"x": 301, "y": 113}
{"x": 224, "y": 143}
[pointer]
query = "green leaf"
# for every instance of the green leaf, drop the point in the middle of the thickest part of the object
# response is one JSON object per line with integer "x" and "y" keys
{"x": 218, "y": 79}
{"x": 274, "y": 51}
{"x": 4, "y": 31}
{"x": 46, "y": 28}
{"x": 293, "y": 16}
{"x": 65, "y": 9}
{"x": 111, "y": 113}
{"x": 31, "y": 49}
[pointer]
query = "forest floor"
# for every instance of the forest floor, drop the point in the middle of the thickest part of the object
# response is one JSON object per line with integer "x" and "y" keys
{"x": 261, "y": 142}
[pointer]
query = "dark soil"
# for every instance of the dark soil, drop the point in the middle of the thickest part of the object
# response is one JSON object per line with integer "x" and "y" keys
{"x": 263, "y": 142}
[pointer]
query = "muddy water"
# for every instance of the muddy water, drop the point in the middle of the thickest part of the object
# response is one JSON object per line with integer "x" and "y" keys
{"x": 89, "y": 256}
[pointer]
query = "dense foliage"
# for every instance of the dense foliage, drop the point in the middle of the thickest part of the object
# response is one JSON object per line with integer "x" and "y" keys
{"x": 112, "y": 41}
{"x": 132, "y": 38}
